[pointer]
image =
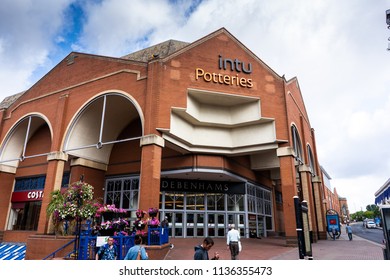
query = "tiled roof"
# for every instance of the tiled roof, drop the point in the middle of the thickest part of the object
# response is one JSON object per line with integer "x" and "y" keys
{"x": 157, "y": 51}
{"x": 8, "y": 101}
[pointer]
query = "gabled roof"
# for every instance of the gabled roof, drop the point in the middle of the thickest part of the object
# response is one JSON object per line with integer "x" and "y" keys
{"x": 9, "y": 100}
{"x": 164, "y": 51}
{"x": 161, "y": 50}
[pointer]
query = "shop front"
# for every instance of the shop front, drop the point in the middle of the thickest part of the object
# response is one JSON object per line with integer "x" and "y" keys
{"x": 207, "y": 208}
{"x": 26, "y": 201}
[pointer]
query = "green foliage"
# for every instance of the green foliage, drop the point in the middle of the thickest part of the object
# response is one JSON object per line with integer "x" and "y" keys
{"x": 375, "y": 209}
{"x": 372, "y": 212}
{"x": 76, "y": 203}
{"x": 358, "y": 216}
{"x": 57, "y": 199}
{"x": 369, "y": 214}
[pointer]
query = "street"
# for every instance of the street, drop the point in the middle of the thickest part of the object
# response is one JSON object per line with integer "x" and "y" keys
{"x": 372, "y": 234}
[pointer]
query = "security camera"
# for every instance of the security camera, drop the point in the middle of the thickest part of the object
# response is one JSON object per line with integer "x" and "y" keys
{"x": 388, "y": 17}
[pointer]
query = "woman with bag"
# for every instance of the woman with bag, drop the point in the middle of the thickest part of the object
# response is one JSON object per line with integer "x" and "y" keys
{"x": 137, "y": 252}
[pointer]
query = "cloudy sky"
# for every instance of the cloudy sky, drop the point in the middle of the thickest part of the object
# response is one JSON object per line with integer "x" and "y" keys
{"x": 336, "y": 49}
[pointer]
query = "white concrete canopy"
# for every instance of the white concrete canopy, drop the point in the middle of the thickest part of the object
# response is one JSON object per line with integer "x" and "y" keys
{"x": 221, "y": 123}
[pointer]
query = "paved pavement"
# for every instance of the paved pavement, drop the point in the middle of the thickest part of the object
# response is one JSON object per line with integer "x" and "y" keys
{"x": 273, "y": 248}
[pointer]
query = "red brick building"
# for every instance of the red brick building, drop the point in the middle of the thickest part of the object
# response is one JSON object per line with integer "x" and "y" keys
{"x": 205, "y": 131}
{"x": 332, "y": 200}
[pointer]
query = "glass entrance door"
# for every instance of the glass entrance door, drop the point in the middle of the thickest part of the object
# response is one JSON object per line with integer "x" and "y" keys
{"x": 195, "y": 224}
{"x": 175, "y": 224}
{"x": 239, "y": 222}
{"x": 216, "y": 226}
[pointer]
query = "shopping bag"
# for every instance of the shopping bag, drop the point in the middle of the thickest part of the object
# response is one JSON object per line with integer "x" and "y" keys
{"x": 239, "y": 246}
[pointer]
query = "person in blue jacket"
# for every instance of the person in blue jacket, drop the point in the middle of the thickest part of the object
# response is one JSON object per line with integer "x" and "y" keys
{"x": 108, "y": 251}
{"x": 202, "y": 250}
{"x": 137, "y": 248}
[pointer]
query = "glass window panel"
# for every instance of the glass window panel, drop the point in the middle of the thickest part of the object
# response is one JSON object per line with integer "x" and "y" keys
{"x": 179, "y": 201}
{"x": 268, "y": 222}
{"x": 134, "y": 200}
{"x": 267, "y": 208}
{"x": 220, "y": 198}
{"x": 260, "y": 208}
{"x": 126, "y": 184}
{"x": 210, "y": 202}
{"x": 118, "y": 186}
{"x": 231, "y": 202}
{"x": 267, "y": 195}
{"x": 200, "y": 202}
{"x": 169, "y": 201}
{"x": 190, "y": 201}
{"x": 135, "y": 184}
{"x": 110, "y": 186}
{"x": 240, "y": 202}
{"x": 126, "y": 201}
{"x": 178, "y": 225}
{"x": 259, "y": 193}
{"x": 190, "y": 218}
{"x": 201, "y": 218}
{"x": 190, "y": 231}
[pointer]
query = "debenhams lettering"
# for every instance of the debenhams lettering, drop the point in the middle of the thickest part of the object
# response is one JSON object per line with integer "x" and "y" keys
{"x": 195, "y": 186}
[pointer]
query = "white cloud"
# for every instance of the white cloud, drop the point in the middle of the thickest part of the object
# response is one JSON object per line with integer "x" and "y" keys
{"x": 26, "y": 31}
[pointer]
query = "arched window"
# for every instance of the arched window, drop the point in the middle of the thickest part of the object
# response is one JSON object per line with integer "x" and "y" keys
{"x": 297, "y": 143}
{"x": 312, "y": 163}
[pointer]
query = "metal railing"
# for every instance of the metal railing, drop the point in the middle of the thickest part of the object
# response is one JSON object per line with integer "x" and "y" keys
{"x": 158, "y": 235}
{"x": 87, "y": 247}
{"x": 53, "y": 255}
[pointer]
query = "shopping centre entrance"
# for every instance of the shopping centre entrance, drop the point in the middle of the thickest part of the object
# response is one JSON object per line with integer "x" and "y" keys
{"x": 196, "y": 224}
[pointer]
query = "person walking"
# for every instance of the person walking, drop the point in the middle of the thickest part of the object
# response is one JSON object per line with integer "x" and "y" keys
{"x": 136, "y": 250}
{"x": 202, "y": 251}
{"x": 334, "y": 233}
{"x": 348, "y": 229}
{"x": 233, "y": 237}
{"x": 108, "y": 251}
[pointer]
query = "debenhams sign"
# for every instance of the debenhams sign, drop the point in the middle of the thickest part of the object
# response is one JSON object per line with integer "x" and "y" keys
{"x": 202, "y": 186}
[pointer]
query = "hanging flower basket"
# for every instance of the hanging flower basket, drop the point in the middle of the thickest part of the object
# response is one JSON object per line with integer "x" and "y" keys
{"x": 107, "y": 232}
{"x": 140, "y": 224}
{"x": 75, "y": 204}
{"x": 110, "y": 212}
{"x": 153, "y": 223}
{"x": 153, "y": 212}
{"x": 108, "y": 215}
{"x": 140, "y": 213}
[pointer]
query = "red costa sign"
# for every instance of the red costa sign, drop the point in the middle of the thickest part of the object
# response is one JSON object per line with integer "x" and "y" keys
{"x": 27, "y": 196}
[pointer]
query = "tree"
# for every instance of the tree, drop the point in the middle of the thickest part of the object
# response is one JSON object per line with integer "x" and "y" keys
{"x": 374, "y": 209}
{"x": 358, "y": 216}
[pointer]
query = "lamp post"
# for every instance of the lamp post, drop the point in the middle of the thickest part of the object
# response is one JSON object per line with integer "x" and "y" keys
{"x": 299, "y": 224}
{"x": 78, "y": 222}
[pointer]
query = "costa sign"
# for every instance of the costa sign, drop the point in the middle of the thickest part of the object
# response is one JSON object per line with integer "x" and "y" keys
{"x": 27, "y": 196}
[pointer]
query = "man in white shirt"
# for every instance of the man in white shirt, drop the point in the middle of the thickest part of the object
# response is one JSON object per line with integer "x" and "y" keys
{"x": 233, "y": 237}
